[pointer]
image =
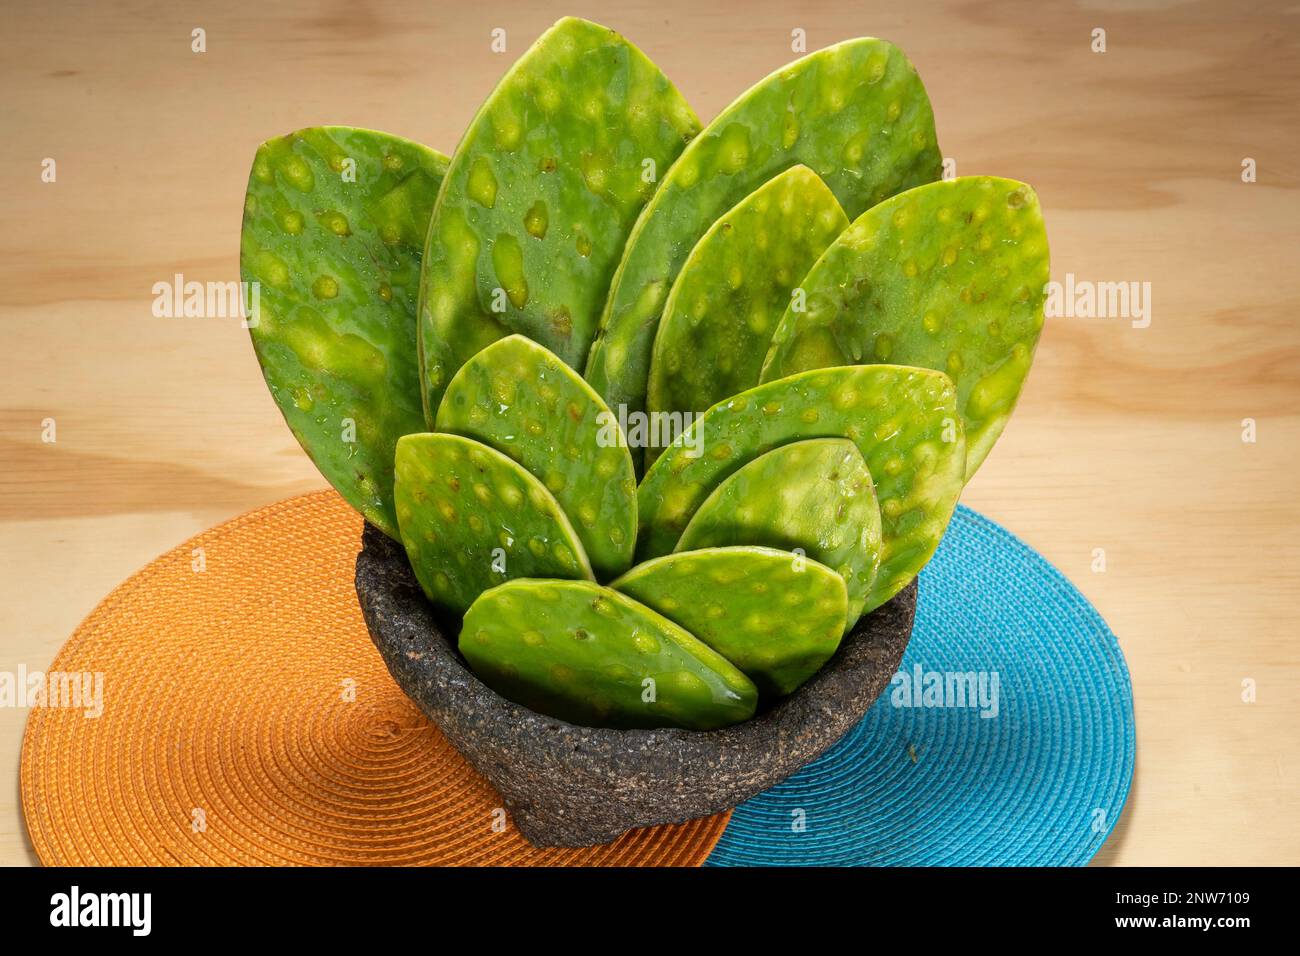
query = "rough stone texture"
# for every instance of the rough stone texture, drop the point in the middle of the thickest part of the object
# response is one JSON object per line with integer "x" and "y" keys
{"x": 577, "y": 786}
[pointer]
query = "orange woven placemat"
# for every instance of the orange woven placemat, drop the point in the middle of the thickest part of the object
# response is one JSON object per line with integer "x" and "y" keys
{"x": 247, "y": 719}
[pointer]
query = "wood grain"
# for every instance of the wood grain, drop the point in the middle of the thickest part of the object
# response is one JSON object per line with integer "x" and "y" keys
{"x": 1126, "y": 439}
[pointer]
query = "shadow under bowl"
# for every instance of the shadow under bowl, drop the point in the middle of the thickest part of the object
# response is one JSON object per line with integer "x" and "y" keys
{"x": 570, "y": 786}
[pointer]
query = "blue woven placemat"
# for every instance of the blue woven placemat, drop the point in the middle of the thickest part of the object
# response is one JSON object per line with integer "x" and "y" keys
{"x": 926, "y": 778}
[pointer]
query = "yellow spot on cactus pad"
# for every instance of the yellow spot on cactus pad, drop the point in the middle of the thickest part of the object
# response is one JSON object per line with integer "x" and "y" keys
{"x": 482, "y": 184}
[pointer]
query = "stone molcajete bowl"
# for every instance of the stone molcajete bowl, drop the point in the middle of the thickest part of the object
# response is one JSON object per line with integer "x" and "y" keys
{"x": 566, "y": 785}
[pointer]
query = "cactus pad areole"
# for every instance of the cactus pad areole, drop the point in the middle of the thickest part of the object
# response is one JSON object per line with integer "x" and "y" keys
{"x": 523, "y": 401}
{"x": 590, "y": 655}
{"x": 776, "y": 616}
{"x": 540, "y": 196}
{"x": 947, "y": 276}
{"x": 471, "y": 518}
{"x": 333, "y": 232}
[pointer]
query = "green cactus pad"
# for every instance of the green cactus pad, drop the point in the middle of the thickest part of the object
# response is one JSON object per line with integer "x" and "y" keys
{"x": 733, "y": 289}
{"x": 903, "y": 420}
{"x": 471, "y": 518}
{"x": 948, "y": 276}
{"x": 592, "y": 656}
{"x": 854, "y": 113}
{"x": 523, "y": 401}
{"x": 540, "y": 197}
{"x": 816, "y": 496}
{"x": 333, "y": 232}
{"x": 776, "y": 616}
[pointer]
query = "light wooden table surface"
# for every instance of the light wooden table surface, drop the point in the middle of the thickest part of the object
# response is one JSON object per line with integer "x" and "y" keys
{"x": 1127, "y": 439}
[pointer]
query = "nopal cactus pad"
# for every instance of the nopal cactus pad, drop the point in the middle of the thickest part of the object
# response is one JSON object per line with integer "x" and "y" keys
{"x": 592, "y": 656}
{"x": 333, "y": 232}
{"x": 775, "y": 615}
{"x": 903, "y": 420}
{"x": 947, "y": 276}
{"x": 816, "y": 496}
{"x": 855, "y": 113}
{"x": 733, "y": 289}
{"x": 523, "y": 401}
{"x": 471, "y": 518}
{"x": 540, "y": 196}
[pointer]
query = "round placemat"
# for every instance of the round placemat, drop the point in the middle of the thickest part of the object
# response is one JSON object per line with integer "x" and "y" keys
{"x": 247, "y": 719}
{"x": 1007, "y": 737}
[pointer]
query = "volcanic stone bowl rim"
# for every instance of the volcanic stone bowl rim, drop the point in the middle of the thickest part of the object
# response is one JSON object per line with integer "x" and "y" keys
{"x": 750, "y": 756}
{"x": 517, "y": 711}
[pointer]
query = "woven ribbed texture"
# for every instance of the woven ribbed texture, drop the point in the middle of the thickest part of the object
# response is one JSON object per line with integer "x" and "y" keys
{"x": 1042, "y": 783}
{"x": 248, "y": 719}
